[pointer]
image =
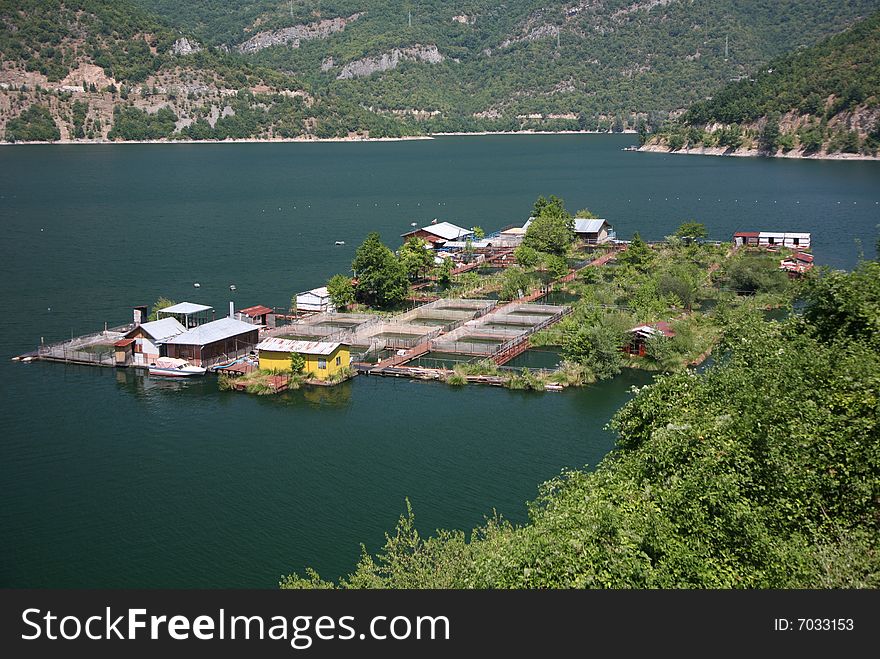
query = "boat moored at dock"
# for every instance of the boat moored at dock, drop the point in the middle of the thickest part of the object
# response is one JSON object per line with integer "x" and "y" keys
{"x": 171, "y": 367}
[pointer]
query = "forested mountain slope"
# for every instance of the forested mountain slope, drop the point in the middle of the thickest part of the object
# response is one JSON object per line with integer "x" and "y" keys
{"x": 819, "y": 101}
{"x": 388, "y": 67}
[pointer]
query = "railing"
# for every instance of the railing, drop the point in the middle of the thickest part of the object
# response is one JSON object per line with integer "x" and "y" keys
{"x": 509, "y": 345}
{"x": 400, "y": 343}
{"x": 59, "y": 353}
{"x": 228, "y": 356}
{"x": 88, "y": 339}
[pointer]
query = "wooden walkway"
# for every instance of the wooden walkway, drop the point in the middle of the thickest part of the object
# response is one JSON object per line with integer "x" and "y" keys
{"x": 510, "y": 352}
{"x": 394, "y": 366}
{"x": 413, "y": 353}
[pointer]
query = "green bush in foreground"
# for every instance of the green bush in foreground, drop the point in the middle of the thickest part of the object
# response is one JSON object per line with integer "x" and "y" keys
{"x": 760, "y": 473}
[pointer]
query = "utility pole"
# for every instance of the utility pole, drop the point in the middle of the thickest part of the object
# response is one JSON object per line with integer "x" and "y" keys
{"x": 726, "y": 46}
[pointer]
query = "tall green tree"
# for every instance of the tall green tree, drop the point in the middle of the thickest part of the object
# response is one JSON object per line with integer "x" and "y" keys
{"x": 692, "y": 229}
{"x": 341, "y": 291}
{"x": 162, "y": 303}
{"x": 637, "y": 253}
{"x": 416, "y": 257}
{"x": 382, "y": 280}
{"x": 526, "y": 256}
{"x": 515, "y": 283}
{"x": 552, "y": 227}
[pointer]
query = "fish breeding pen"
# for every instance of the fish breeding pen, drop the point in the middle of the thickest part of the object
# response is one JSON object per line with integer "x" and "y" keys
{"x": 96, "y": 349}
{"x": 447, "y": 314}
{"x": 328, "y": 326}
{"x": 501, "y": 335}
{"x": 394, "y": 335}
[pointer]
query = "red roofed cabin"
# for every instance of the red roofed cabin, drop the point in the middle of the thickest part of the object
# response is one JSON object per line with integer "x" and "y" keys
{"x": 746, "y": 238}
{"x": 639, "y": 336}
{"x": 124, "y": 350}
{"x": 797, "y": 264}
{"x": 258, "y": 315}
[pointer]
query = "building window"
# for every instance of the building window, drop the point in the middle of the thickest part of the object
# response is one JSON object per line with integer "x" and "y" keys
{"x": 339, "y": 361}
{"x": 322, "y": 364}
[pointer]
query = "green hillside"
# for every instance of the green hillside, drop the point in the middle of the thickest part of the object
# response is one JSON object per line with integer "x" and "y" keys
{"x": 607, "y": 58}
{"x": 760, "y": 472}
{"x": 397, "y": 67}
{"x": 825, "y": 98}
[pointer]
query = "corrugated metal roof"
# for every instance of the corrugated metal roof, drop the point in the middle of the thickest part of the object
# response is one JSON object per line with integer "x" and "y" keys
{"x": 258, "y": 310}
{"x": 448, "y": 231}
{"x": 583, "y": 225}
{"x": 217, "y": 330}
{"x": 304, "y": 347}
{"x": 646, "y": 331}
{"x": 162, "y": 329}
{"x": 786, "y": 234}
{"x": 317, "y": 292}
{"x": 186, "y": 308}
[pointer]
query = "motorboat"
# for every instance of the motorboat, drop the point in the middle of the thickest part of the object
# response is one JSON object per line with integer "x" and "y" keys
{"x": 340, "y": 242}
{"x": 171, "y": 367}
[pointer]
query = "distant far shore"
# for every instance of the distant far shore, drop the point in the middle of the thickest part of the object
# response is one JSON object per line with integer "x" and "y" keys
{"x": 754, "y": 153}
{"x": 307, "y": 140}
{"x": 247, "y": 140}
{"x": 535, "y": 132}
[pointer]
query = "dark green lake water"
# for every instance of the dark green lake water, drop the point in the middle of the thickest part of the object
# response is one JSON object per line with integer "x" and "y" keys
{"x": 112, "y": 479}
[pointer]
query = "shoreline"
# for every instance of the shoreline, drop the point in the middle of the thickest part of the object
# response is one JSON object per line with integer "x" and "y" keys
{"x": 307, "y": 140}
{"x": 534, "y": 132}
{"x": 753, "y": 153}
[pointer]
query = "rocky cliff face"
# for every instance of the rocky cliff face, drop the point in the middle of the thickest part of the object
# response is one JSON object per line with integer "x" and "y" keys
{"x": 189, "y": 93}
{"x": 387, "y": 61}
{"x": 295, "y": 35}
{"x": 184, "y": 46}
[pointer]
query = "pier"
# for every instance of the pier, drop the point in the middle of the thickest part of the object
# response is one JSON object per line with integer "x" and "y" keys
{"x": 473, "y": 328}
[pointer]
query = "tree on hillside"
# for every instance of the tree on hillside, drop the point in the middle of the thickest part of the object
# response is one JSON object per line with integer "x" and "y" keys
{"x": 586, "y": 214}
{"x": 35, "y": 124}
{"x": 768, "y": 140}
{"x": 382, "y": 280}
{"x": 637, "y": 253}
{"x": 642, "y": 130}
{"x": 846, "y": 304}
{"x": 341, "y": 291}
{"x": 752, "y": 274}
{"x": 552, "y": 227}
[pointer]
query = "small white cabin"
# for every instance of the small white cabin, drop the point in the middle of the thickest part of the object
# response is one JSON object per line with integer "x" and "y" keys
{"x": 793, "y": 240}
{"x": 317, "y": 299}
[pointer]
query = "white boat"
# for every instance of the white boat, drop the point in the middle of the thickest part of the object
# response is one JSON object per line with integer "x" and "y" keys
{"x": 340, "y": 242}
{"x": 170, "y": 367}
